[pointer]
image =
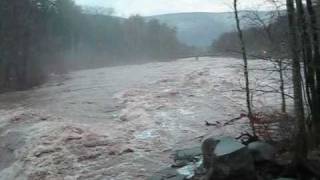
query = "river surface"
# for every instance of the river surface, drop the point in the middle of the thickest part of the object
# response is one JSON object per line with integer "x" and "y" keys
{"x": 122, "y": 123}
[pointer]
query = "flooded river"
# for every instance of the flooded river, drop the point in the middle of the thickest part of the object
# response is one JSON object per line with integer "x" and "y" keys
{"x": 121, "y": 123}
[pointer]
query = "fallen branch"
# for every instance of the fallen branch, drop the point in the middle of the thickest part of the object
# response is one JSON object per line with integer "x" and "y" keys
{"x": 213, "y": 124}
{"x": 229, "y": 122}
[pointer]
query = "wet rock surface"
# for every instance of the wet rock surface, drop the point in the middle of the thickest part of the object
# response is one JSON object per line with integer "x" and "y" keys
{"x": 262, "y": 151}
{"x": 187, "y": 163}
{"x": 228, "y": 159}
{"x": 185, "y": 156}
{"x": 168, "y": 174}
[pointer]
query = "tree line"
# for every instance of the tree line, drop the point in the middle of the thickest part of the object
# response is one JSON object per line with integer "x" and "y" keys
{"x": 263, "y": 38}
{"x": 40, "y": 37}
{"x": 292, "y": 39}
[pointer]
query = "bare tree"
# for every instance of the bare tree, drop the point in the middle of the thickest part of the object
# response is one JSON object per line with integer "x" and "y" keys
{"x": 315, "y": 72}
{"x": 300, "y": 137}
{"x": 275, "y": 48}
{"x": 245, "y": 61}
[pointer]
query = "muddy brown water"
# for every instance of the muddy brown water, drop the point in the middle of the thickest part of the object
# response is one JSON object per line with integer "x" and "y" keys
{"x": 120, "y": 122}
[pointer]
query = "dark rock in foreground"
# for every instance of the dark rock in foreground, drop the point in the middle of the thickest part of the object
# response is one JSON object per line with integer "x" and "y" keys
{"x": 229, "y": 160}
{"x": 262, "y": 151}
{"x": 185, "y": 156}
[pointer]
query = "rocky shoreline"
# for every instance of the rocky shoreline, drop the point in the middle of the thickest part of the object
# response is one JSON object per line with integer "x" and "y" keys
{"x": 226, "y": 158}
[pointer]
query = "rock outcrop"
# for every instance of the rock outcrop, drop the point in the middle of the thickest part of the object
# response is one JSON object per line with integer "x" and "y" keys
{"x": 229, "y": 160}
{"x": 262, "y": 151}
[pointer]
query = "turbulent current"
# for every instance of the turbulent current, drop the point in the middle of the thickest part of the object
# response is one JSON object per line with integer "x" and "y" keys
{"x": 123, "y": 122}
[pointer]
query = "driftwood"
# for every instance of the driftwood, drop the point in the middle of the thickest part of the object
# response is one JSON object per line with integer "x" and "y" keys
{"x": 229, "y": 122}
{"x": 217, "y": 123}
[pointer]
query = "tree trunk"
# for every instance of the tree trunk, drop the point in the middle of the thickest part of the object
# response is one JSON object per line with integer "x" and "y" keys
{"x": 300, "y": 133}
{"x": 283, "y": 95}
{"x": 306, "y": 48}
{"x": 315, "y": 68}
{"x": 245, "y": 61}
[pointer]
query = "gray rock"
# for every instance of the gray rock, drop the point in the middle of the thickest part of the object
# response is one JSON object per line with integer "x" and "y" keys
{"x": 262, "y": 151}
{"x": 208, "y": 147}
{"x": 167, "y": 174}
{"x": 230, "y": 160}
{"x": 191, "y": 169}
{"x": 227, "y": 146}
{"x": 187, "y": 154}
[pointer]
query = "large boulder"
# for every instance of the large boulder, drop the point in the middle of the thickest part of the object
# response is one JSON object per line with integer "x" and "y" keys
{"x": 226, "y": 159}
{"x": 262, "y": 151}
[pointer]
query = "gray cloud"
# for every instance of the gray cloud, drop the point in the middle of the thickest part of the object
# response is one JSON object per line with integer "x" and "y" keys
{"x": 152, "y": 7}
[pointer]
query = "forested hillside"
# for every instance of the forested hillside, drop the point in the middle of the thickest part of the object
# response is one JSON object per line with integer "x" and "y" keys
{"x": 39, "y": 37}
{"x": 200, "y": 29}
{"x": 263, "y": 39}
{"x": 267, "y": 37}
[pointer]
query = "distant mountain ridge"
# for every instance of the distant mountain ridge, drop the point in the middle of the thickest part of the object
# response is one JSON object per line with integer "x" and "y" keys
{"x": 200, "y": 28}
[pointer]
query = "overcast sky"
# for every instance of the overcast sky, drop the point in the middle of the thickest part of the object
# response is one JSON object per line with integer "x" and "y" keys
{"x": 154, "y": 7}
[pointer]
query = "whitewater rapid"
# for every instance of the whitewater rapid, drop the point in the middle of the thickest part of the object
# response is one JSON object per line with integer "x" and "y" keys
{"x": 123, "y": 122}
